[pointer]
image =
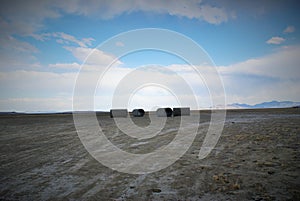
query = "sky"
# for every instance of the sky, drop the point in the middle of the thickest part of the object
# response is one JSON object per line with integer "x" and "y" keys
{"x": 253, "y": 47}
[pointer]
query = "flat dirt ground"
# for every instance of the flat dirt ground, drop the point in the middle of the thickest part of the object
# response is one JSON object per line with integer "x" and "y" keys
{"x": 256, "y": 158}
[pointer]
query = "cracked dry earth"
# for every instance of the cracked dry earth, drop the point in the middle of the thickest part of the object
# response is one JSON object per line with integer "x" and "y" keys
{"x": 256, "y": 158}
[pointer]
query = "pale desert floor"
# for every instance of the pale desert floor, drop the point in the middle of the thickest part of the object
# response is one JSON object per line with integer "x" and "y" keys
{"x": 256, "y": 158}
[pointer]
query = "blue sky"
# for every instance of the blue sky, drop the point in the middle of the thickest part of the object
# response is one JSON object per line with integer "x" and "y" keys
{"x": 255, "y": 46}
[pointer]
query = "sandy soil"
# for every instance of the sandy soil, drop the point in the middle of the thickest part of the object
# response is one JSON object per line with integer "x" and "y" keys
{"x": 256, "y": 158}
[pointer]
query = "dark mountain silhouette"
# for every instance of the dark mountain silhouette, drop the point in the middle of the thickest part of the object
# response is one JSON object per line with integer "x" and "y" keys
{"x": 272, "y": 104}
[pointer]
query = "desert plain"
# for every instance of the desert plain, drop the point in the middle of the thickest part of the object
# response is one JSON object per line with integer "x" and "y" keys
{"x": 256, "y": 158}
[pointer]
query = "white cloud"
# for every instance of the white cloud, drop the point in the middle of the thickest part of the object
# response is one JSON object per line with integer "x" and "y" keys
{"x": 120, "y": 44}
{"x": 26, "y": 83}
{"x": 272, "y": 77}
{"x": 153, "y": 95}
{"x": 275, "y": 40}
{"x": 193, "y": 9}
{"x": 71, "y": 66}
{"x": 19, "y": 87}
{"x": 87, "y": 41}
{"x": 16, "y": 54}
{"x": 289, "y": 29}
{"x": 54, "y": 104}
{"x": 95, "y": 56}
{"x": 65, "y": 38}
{"x": 213, "y": 15}
{"x": 283, "y": 64}
{"x": 26, "y": 18}
{"x": 12, "y": 43}
{"x": 20, "y": 18}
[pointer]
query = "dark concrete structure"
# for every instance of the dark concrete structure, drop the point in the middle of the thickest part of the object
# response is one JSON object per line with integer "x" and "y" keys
{"x": 138, "y": 112}
{"x": 164, "y": 112}
{"x": 181, "y": 111}
{"x": 118, "y": 113}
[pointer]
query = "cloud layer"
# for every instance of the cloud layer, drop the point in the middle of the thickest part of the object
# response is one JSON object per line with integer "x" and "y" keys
{"x": 275, "y": 40}
{"x": 289, "y": 29}
{"x": 272, "y": 77}
{"x": 25, "y": 18}
{"x": 28, "y": 85}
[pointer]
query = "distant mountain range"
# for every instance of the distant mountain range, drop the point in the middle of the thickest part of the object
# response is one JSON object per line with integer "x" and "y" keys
{"x": 272, "y": 104}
